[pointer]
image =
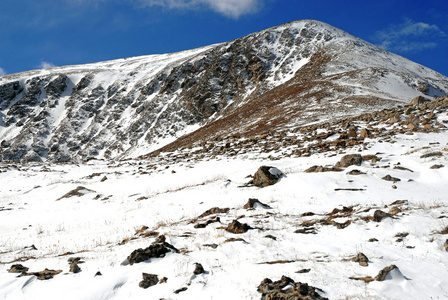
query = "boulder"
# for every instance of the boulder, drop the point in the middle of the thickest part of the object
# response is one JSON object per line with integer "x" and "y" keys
{"x": 199, "y": 269}
{"x": 287, "y": 289}
{"x": 379, "y": 215}
{"x": 252, "y": 203}
{"x": 361, "y": 259}
{"x": 349, "y": 160}
{"x": 266, "y": 176}
{"x": 390, "y": 178}
{"x": 18, "y": 268}
{"x": 237, "y": 227}
{"x": 148, "y": 280}
{"x": 157, "y": 249}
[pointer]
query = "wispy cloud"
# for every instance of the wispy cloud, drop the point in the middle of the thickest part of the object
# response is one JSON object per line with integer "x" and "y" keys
{"x": 228, "y": 8}
{"x": 2, "y": 72}
{"x": 409, "y": 36}
{"x": 46, "y": 65}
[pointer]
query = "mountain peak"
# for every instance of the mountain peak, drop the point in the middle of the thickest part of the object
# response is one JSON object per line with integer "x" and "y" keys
{"x": 290, "y": 75}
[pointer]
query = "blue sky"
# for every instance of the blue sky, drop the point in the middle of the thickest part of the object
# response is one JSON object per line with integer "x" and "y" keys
{"x": 42, "y": 33}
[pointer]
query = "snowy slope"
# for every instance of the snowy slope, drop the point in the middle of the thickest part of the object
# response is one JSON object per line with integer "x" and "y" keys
{"x": 128, "y": 107}
{"x": 43, "y": 227}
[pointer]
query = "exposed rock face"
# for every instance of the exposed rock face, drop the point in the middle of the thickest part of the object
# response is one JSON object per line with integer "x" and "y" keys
{"x": 246, "y": 86}
{"x": 266, "y": 176}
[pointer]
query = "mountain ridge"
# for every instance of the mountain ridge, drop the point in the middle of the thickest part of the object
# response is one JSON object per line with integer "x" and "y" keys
{"x": 304, "y": 71}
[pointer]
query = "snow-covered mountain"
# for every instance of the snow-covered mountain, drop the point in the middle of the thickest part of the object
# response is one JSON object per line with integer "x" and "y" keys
{"x": 291, "y": 75}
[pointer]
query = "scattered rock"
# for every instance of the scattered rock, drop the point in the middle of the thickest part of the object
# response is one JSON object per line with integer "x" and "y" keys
{"x": 307, "y": 230}
{"x": 316, "y": 169}
{"x": 287, "y": 289}
{"x": 382, "y": 275}
{"x": 266, "y": 176}
{"x": 446, "y": 245}
{"x": 78, "y": 192}
{"x": 252, "y": 203}
{"x": 208, "y": 222}
{"x": 437, "y": 166}
{"x": 269, "y": 236}
{"x": 379, "y": 215}
{"x": 403, "y": 169}
{"x": 303, "y": 271}
{"x": 235, "y": 240}
{"x": 371, "y": 240}
{"x": 431, "y": 154}
{"x": 199, "y": 269}
{"x": 180, "y": 290}
{"x": 390, "y": 178}
{"x": 43, "y": 275}
{"x": 214, "y": 210}
{"x": 356, "y": 172}
{"x": 157, "y": 249}
{"x": 74, "y": 267}
{"x": 103, "y": 179}
{"x": 371, "y": 157}
{"x": 18, "y": 268}
{"x": 361, "y": 259}
{"x": 214, "y": 246}
{"x": 394, "y": 210}
{"x": 419, "y": 100}
{"x": 148, "y": 280}
{"x": 237, "y": 227}
{"x": 349, "y": 160}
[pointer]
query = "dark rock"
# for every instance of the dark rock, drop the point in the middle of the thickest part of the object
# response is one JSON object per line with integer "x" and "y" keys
{"x": 74, "y": 267}
{"x": 252, "y": 202}
{"x": 199, "y": 269}
{"x": 18, "y": 268}
{"x": 303, "y": 271}
{"x": 148, "y": 280}
{"x": 390, "y": 178}
{"x": 279, "y": 290}
{"x": 266, "y": 176}
{"x": 237, "y": 227}
{"x": 235, "y": 240}
{"x": 98, "y": 274}
{"x": 378, "y": 215}
{"x": 157, "y": 249}
{"x": 307, "y": 230}
{"x": 180, "y": 290}
{"x": 383, "y": 273}
{"x": 371, "y": 240}
{"x": 356, "y": 172}
{"x": 214, "y": 246}
{"x": 349, "y": 160}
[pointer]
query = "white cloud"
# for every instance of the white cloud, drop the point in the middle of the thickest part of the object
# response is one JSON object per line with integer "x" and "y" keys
{"x": 46, "y": 65}
{"x": 2, "y": 72}
{"x": 409, "y": 36}
{"x": 229, "y": 8}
